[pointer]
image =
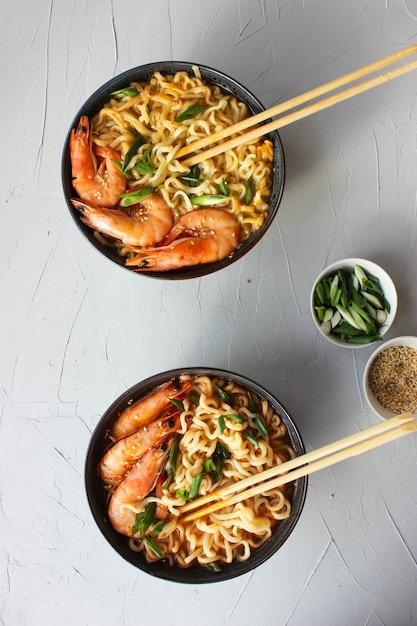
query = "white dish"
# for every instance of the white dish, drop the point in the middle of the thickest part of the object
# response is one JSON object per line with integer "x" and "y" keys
{"x": 382, "y": 412}
{"x": 386, "y": 284}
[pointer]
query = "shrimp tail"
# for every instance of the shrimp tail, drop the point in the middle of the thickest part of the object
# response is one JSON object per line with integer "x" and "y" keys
{"x": 199, "y": 236}
{"x": 180, "y": 253}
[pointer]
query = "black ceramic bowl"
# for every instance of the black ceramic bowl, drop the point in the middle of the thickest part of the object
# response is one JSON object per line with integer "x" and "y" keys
{"x": 210, "y": 76}
{"x": 97, "y": 496}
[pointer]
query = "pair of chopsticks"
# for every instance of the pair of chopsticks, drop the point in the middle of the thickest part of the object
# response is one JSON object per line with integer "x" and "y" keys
{"x": 300, "y": 466}
{"x": 264, "y": 129}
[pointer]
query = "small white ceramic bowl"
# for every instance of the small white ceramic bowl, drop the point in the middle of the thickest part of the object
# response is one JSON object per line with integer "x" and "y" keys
{"x": 382, "y": 412}
{"x": 386, "y": 284}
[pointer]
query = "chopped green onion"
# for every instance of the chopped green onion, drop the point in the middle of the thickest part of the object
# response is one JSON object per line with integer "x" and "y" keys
{"x": 235, "y": 418}
{"x": 127, "y": 91}
{"x": 220, "y": 454}
{"x": 192, "y": 179}
{"x": 173, "y": 454}
{"x": 144, "y": 519}
{"x": 194, "y": 398}
{"x": 157, "y": 528}
{"x": 213, "y": 567}
{"x": 139, "y": 141}
{"x": 350, "y": 300}
{"x": 133, "y": 197}
{"x": 153, "y": 546}
{"x": 250, "y": 191}
{"x": 177, "y": 403}
{"x": 195, "y": 486}
{"x": 120, "y": 167}
{"x": 208, "y": 200}
{"x": 260, "y": 426}
{"x": 208, "y": 466}
{"x": 191, "y": 112}
{"x": 224, "y": 395}
{"x": 252, "y": 406}
{"x": 250, "y": 437}
{"x": 221, "y": 423}
{"x": 224, "y": 188}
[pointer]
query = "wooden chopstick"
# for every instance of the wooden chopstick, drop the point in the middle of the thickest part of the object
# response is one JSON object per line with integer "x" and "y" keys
{"x": 300, "y": 113}
{"x": 303, "y": 465}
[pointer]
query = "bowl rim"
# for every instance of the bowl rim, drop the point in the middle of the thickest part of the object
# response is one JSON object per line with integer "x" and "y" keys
{"x": 96, "y": 499}
{"x": 228, "y": 84}
{"x": 376, "y": 270}
{"x": 377, "y": 408}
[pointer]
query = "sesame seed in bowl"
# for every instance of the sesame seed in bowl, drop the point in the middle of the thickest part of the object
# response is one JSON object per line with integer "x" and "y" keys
{"x": 390, "y": 377}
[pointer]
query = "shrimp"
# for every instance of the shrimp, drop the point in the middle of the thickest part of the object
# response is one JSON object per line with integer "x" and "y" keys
{"x": 199, "y": 236}
{"x": 121, "y": 457}
{"x": 150, "y": 407}
{"x": 138, "y": 483}
{"x": 97, "y": 183}
{"x": 143, "y": 224}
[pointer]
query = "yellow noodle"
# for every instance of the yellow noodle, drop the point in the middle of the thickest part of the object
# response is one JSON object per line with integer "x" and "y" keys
{"x": 233, "y": 532}
{"x": 152, "y": 112}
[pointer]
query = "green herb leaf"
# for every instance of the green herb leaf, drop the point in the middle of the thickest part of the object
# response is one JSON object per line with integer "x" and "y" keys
{"x": 173, "y": 454}
{"x": 250, "y": 437}
{"x": 213, "y": 567}
{"x": 127, "y": 91}
{"x": 153, "y": 546}
{"x": 195, "y": 486}
{"x": 192, "y": 179}
{"x": 220, "y": 454}
{"x": 224, "y": 395}
{"x": 177, "y": 403}
{"x": 208, "y": 200}
{"x": 221, "y": 423}
{"x": 191, "y": 112}
{"x": 224, "y": 188}
{"x": 134, "y": 197}
{"x": 260, "y": 426}
{"x": 252, "y": 406}
{"x": 235, "y": 418}
{"x": 144, "y": 519}
{"x": 139, "y": 141}
{"x": 208, "y": 466}
{"x": 250, "y": 191}
{"x": 119, "y": 166}
{"x": 354, "y": 297}
{"x": 194, "y": 398}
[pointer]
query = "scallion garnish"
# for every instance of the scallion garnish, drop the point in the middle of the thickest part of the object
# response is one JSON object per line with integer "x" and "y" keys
{"x": 224, "y": 395}
{"x": 191, "y": 112}
{"x": 139, "y": 141}
{"x": 224, "y": 188}
{"x": 127, "y": 91}
{"x": 195, "y": 486}
{"x": 351, "y": 304}
{"x": 145, "y": 166}
{"x": 250, "y": 191}
{"x": 250, "y": 437}
{"x": 214, "y": 567}
{"x": 177, "y": 403}
{"x": 260, "y": 426}
{"x": 221, "y": 423}
{"x": 220, "y": 454}
{"x": 153, "y": 546}
{"x": 144, "y": 519}
{"x": 134, "y": 197}
{"x": 192, "y": 178}
{"x": 209, "y": 199}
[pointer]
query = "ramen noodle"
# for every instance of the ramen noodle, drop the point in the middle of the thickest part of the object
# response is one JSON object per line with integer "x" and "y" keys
{"x": 168, "y": 113}
{"x": 226, "y": 434}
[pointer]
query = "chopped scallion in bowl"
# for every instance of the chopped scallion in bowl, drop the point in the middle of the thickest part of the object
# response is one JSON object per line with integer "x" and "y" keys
{"x": 353, "y": 302}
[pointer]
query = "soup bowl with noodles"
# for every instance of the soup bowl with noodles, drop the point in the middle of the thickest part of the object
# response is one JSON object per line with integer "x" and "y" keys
{"x": 139, "y": 202}
{"x": 178, "y": 436}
